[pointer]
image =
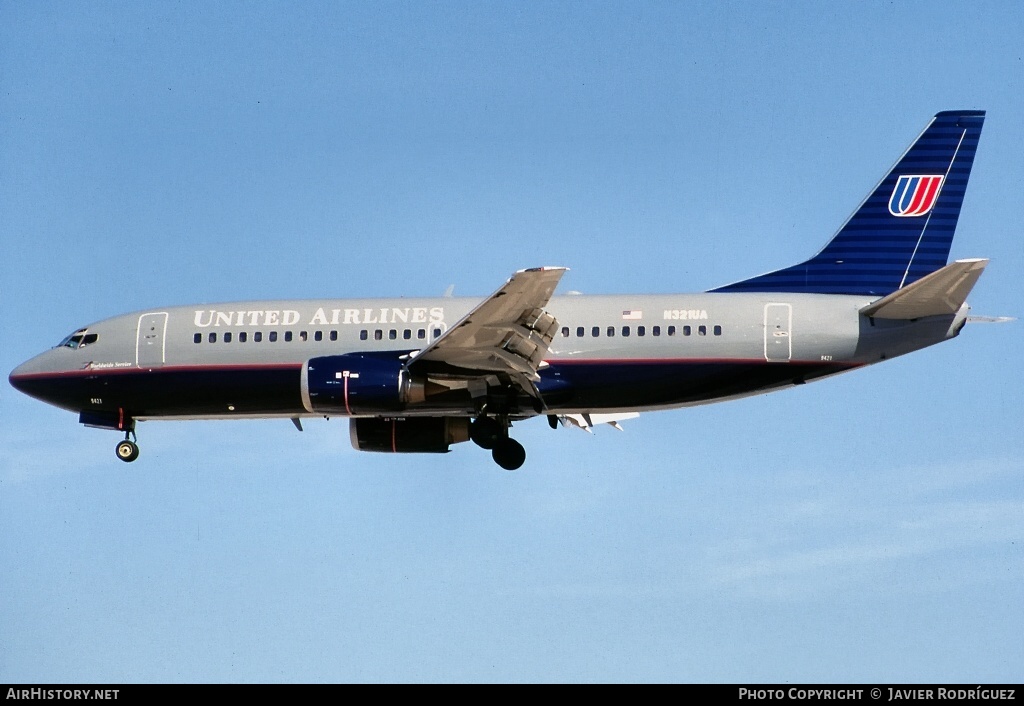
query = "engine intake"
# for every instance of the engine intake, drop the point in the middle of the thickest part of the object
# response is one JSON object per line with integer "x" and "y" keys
{"x": 411, "y": 435}
{"x": 358, "y": 383}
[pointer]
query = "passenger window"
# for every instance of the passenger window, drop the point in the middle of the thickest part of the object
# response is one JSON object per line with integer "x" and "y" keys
{"x": 363, "y": 335}
{"x": 625, "y": 330}
{"x": 288, "y": 336}
{"x": 227, "y": 337}
{"x": 611, "y": 331}
{"x": 421, "y": 333}
{"x": 686, "y": 330}
{"x": 242, "y": 337}
{"x": 718, "y": 330}
{"x": 302, "y": 336}
{"x": 565, "y": 332}
{"x": 273, "y": 336}
{"x": 595, "y": 332}
{"x": 334, "y": 335}
{"x": 437, "y": 333}
{"x": 257, "y": 337}
{"x": 213, "y": 337}
{"x": 656, "y": 330}
{"x": 198, "y": 338}
{"x": 702, "y": 330}
{"x": 580, "y": 331}
{"x": 378, "y": 335}
{"x": 671, "y": 330}
{"x": 640, "y": 330}
{"x": 407, "y": 334}
{"x": 392, "y": 334}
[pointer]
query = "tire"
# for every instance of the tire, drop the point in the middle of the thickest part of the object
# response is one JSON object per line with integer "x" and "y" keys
{"x": 509, "y": 454}
{"x": 486, "y": 432}
{"x": 127, "y": 451}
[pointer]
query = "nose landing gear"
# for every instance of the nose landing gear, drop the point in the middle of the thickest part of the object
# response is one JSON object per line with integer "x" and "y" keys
{"x": 127, "y": 450}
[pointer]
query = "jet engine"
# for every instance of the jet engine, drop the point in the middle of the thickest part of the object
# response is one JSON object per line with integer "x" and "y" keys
{"x": 358, "y": 383}
{"x": 411, "y": 435}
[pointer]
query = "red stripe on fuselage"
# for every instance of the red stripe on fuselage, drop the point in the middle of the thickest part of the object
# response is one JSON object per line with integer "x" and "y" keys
{"x": 297, "y": 366}
{"x": 682, "y": 361}
{"x": 96, "y": 372}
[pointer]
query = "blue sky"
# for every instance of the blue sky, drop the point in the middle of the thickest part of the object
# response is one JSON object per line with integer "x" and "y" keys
{"x": 865, "y": 528}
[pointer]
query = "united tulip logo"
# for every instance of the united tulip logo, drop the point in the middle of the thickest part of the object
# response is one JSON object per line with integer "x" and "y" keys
{"x": 914, "y": 195}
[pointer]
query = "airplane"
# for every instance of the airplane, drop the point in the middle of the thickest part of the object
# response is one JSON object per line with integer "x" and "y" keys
{"x": 418, "y": 375}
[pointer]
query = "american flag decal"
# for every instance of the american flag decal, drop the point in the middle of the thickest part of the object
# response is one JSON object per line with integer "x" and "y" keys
{"x": 914, "y": 195}
{"x": 632, "y": 315}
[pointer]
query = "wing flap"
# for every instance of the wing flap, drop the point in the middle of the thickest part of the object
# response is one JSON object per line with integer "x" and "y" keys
{"x": 587, "y": 420}
{"x": 509, "y": 332}
{"x": 941, "y": 292}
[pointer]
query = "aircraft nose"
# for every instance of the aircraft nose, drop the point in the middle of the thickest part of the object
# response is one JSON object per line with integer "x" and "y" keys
{"x": 19, "y": 375}
{"x": 22, "y": 377}
{"x": 45, "y": 378}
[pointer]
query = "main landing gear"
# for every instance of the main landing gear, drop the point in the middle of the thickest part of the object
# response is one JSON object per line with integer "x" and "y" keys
{"x": 127, "y": 450}
{"x": 492, "y": 434}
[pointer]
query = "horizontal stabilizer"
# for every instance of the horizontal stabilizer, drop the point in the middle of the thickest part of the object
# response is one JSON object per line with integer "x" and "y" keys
{"x": 942, "y": 292}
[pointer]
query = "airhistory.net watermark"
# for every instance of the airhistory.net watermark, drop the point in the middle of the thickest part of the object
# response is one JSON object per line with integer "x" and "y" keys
{"x": 62, "y": 694}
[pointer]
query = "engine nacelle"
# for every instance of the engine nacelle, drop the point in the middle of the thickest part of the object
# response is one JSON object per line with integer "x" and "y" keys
{"x": 411, "y": 435}
{"x": 358, "y": 383}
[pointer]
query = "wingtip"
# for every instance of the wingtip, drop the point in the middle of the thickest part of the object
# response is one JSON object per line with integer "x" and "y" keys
{"x": 544, "y": 269}
{"x": 983, "y": 260}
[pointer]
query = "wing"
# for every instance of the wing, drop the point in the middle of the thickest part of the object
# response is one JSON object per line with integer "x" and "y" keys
{"x": 507, "y": 334}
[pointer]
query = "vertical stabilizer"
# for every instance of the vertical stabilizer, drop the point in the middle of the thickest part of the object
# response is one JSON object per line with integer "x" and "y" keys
{"x": 904, "y": 228}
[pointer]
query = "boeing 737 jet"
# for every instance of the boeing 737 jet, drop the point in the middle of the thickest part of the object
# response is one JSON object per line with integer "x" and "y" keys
{"x": 418, "y": 375}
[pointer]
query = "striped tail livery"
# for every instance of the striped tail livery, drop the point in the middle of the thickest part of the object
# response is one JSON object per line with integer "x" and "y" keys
{"x": 903, "y": 229}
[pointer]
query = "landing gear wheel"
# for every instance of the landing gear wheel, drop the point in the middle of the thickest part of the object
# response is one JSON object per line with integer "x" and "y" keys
{"x": 486, "y": 432}
{"x": 127, "y": 451}
{"x": 509, "y": 454}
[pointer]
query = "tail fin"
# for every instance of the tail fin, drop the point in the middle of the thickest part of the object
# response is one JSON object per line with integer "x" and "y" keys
{"x": 903, "y": 229}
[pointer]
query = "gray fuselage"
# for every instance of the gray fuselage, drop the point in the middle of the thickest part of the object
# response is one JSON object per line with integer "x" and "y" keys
{"x": 610, "y": 353}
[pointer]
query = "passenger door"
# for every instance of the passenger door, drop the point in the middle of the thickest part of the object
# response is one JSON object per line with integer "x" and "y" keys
{"x": 150, "y": 348}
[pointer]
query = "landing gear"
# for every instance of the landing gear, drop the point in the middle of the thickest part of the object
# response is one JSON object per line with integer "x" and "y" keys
{"x": 509, "y": 454}
{"x": 128, "y": 450}
{"x": 492, "y": 434}
{"x": 486, "y": 432}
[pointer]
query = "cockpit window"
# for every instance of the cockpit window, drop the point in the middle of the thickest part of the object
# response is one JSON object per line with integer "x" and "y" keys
{"x": 78, "y": 339}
